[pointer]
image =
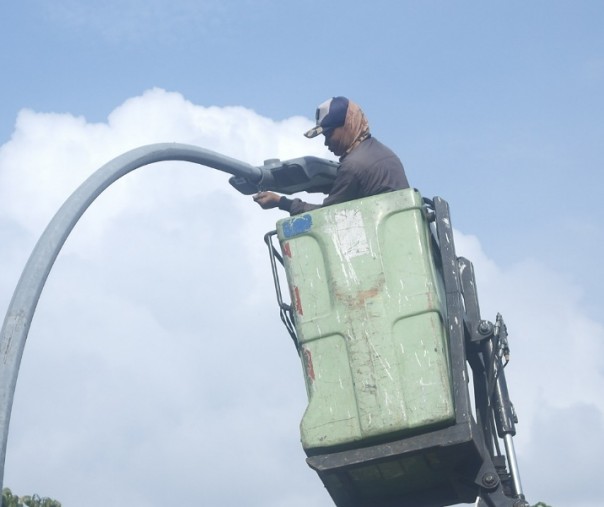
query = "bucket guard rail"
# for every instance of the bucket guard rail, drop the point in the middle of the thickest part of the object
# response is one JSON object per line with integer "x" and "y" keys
{"x": 464, "y": 461}
{"x": 285, "y": 310}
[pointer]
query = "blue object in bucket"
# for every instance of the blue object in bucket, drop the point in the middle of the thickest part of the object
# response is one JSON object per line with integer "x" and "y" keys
{"x": 297, "y": 225}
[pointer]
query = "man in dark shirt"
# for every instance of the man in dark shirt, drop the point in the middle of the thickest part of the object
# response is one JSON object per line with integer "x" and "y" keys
{"x": 367, "y": 167}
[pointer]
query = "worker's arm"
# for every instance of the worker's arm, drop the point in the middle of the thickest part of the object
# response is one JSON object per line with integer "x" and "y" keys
{"x": 345, "y": 188}
{"x": 267, "y": 200}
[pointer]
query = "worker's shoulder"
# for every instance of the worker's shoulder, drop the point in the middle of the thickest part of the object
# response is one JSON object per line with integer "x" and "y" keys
{"x": 372, "y": 148}
{"x": 369, "y": 152}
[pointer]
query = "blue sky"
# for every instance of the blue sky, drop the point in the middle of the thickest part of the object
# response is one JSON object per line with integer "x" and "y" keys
{"x": 497, "y": 107}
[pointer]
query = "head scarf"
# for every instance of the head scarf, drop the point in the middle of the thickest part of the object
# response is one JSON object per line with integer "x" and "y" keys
{"x": 354, "y": 131}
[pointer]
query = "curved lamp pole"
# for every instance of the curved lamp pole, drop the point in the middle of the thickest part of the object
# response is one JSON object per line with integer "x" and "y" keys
{"x": 25, "y": 298}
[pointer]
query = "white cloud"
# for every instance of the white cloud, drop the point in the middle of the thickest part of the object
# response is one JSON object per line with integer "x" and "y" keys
{"x": 157, "y": 370}
{"x": 555, "y": 375}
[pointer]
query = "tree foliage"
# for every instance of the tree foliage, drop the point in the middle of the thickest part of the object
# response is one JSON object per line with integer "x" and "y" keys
{"x": 10, "y": 500}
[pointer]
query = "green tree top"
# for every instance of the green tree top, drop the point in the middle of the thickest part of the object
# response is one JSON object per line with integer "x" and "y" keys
{"x": 10, "y": 500}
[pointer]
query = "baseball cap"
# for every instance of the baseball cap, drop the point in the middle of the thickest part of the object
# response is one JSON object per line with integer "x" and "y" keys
{"x": 330, "y": 115}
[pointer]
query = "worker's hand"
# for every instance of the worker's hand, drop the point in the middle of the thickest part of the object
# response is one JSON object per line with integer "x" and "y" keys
{"x": 267, "y": 200}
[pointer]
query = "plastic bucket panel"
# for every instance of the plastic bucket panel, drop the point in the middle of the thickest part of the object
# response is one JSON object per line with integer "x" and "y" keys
{"x": 369, "y": 315}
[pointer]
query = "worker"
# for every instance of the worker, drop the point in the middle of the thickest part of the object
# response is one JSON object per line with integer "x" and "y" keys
{"x": 367, "y": 167}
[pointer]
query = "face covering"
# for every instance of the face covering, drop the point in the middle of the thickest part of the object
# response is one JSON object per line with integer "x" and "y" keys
{"x": 354, "y": 131}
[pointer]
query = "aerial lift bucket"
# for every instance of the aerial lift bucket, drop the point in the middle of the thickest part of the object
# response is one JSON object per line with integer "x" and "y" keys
{"x": 385, "y": 319}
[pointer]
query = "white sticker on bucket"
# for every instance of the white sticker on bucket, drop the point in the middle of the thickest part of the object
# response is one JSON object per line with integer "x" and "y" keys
{"x": 349, "y": 234}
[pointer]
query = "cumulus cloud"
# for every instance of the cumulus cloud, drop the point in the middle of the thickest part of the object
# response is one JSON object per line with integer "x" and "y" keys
{"x": 157, "y": 371}
{"x": 555, "y": 374}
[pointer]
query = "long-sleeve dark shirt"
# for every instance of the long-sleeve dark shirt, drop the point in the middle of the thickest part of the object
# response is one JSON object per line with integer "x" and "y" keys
{"x": 369, "y": 169}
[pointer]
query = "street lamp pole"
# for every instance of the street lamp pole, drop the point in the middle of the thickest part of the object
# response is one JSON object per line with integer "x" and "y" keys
{"x": 25, "y": 297}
